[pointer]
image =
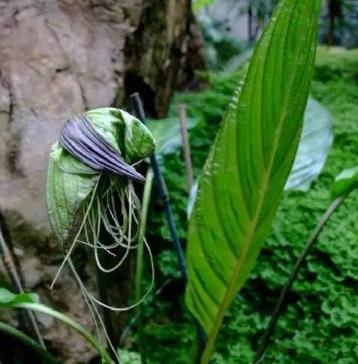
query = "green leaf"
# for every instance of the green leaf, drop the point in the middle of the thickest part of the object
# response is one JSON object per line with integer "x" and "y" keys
{"x": 30, "y": 301}
{"x": 9, "y": 299}
{"x": 167, "y": 133}
{"x": 124, "y": 132}
{"x": 69, "y": 183}
{"x": 245, "y": 174}
{"x": 345, "y": 182}
{"x": 316, "y": 141}
{"x": 69, "y": 164}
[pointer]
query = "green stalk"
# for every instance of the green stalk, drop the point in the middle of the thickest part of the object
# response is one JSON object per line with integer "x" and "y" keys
{"x": 92, "y": 341}
{"x": 140, "y": 253}
{"x": 281, "y": 303}
{"x": 10, "y": 266}
{"x": 28, "y": 341}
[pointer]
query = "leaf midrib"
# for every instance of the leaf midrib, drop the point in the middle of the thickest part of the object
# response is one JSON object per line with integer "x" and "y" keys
{"x": 251, "y": 231}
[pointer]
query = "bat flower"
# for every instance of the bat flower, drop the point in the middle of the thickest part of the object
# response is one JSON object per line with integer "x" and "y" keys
{"x": 82, "y": 141}
{"x": 90, "y": 192}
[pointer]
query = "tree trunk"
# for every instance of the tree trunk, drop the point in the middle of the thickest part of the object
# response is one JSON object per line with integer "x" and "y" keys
{"x": 334, "y": 15}
{"x": 250, "y": 31}
{"x": 58, "y": 58}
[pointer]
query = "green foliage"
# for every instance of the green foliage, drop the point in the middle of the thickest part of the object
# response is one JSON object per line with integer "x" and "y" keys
{"x": 199, "y": 4}
{"x": 221, "y": 46}
{"x": 166, "y": 132}
{"x": 315, "y": 143}
{"x": 9, "y": 299}
{"x": 66, "y": 191}
{"x": 128, "y": 357}
{"x": 169, "y": 340}
{"x": 30, "y": 301}
{"x": 206, "y": 108}
{"x": 334, "y": 63}
{"x": 168, "y": 264}
{"x": 244, "y": 176}
{"x": 323, "y": 301}
{"x": 345, "y": 182}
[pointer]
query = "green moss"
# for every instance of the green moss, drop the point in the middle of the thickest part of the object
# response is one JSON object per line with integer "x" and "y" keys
{"x": 334, "y": 63}
{"x": 320, "y": 324}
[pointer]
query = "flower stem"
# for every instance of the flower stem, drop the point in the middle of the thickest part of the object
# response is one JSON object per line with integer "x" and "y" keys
{"x": 259, "y": 356}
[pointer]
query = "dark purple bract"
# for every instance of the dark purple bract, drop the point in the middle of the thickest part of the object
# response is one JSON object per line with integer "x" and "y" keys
{"x": 81, "y": 140}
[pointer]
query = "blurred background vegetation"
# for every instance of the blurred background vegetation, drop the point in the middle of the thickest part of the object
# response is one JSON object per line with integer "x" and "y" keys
{"x": 230, "y": 26}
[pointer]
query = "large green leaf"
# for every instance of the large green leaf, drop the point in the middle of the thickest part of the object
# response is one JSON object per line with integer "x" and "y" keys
{"x": 315, "y": 143}
{"x": 246, "y": 171}
{"x": 345, "y": 182}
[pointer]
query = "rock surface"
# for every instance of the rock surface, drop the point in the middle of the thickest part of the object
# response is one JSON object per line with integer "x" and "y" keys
{"x": 58, "y": 58}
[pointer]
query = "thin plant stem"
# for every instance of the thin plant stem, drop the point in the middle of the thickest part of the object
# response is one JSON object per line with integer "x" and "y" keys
{"x": 103, "y": 296}
{"x": 140, "y": 253}
{"x": 199, "y": 345}
{"x": 260, "y": 354}
{"x": 163, "y": 191}
{"x": 144, "y": 215}
{"x": 17, "y": 285}
{"x": 186, "y": 146}
{"x": 134, "y": 320}
{"x": 28, "y": 341}
{"x": 72, "y": 324}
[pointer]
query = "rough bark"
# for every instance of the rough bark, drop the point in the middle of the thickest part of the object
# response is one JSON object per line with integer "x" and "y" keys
{"x": 58, "y": 58}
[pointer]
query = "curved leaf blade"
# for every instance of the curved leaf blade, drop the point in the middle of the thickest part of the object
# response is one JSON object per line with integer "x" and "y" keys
{"x": 246, "y": 171}
{"x": 69, "y": 183}
{"x": 9, "y": 299}
{"x": 345, "y": 182}
{"x": 315, "y": 143}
